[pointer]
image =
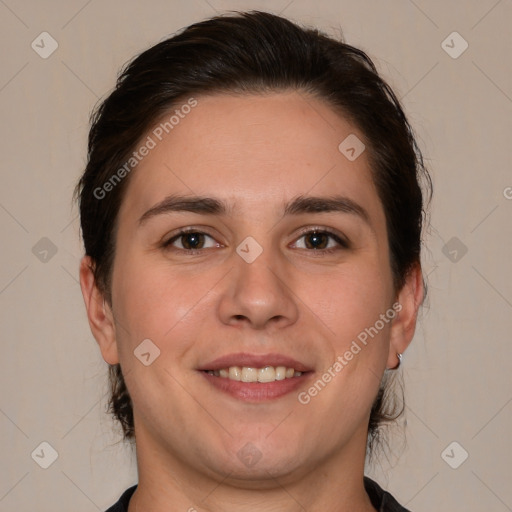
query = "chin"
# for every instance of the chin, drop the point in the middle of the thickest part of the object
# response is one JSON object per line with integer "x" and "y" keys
{"x": 258, "y": 457}
{"x": 259, "y": 470}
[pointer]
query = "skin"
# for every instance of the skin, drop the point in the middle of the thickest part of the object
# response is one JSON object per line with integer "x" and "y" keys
{"x": 256, "y": 153}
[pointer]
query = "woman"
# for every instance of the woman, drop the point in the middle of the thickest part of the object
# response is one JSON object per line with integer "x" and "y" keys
{"x": 251, "y": 213}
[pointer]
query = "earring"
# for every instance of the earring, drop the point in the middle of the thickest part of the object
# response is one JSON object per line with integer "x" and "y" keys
{"x": 399, "y": 362}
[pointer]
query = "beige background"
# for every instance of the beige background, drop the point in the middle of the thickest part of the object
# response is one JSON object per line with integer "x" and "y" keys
{"x": 457, "y": 371}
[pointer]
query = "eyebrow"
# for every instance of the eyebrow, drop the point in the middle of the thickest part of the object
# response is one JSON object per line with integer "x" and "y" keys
{"x": 300, "y": 205}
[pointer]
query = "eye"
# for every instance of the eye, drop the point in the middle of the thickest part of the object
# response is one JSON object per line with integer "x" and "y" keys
{"x": 190, "y": 240}
{"x": 193, "y": 241}
{"x": 322, "y": 241}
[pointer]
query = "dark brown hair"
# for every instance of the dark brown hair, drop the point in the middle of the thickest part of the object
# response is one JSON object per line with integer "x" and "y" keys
{"x": 252, "y": 53}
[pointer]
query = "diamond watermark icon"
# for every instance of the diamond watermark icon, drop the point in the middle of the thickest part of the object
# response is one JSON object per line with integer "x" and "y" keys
{"x": 351, "y": 147}
{"x": 44, "y": 250}
{"x": 44, "y": 455}
{"x": 454, "y": 249}
{"x": 249, "y": 455}
{"x": 146, "y": 352}
{"x": 454, "y": 45}
{"x": 249, "y": 249}
{"x": 454, "y": 455}
{"x": 44, "y": 45}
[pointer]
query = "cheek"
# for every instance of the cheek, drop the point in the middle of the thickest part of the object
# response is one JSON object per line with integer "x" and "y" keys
{"x": 153, "y": 300}
{"x": 351, "y": 299}
{"x": 356, "y": 306}
{"x": 152, "y": 303}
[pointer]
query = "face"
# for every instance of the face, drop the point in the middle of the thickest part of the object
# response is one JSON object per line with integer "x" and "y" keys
{"x": 267, "y": 283}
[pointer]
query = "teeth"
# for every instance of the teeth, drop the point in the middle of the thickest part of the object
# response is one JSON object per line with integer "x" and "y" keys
{"x": 280, "y": 372}
{"x": 267, "y": 374}
{"x": 249, "y": 374}
{"x": 235, "y": 373}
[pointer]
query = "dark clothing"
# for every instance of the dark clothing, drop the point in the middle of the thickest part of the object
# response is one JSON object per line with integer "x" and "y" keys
{"x": 122, "y": 504}
{"x": 381, "y": 500}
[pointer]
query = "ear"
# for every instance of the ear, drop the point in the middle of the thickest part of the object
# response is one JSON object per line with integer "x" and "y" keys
{"x": 100, "y": 316}
{"x": 409, "y": 299}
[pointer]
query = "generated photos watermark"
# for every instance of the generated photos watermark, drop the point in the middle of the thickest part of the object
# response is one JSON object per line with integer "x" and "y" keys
{"x": 304, "y": 397}
{"x": 152, "y": 140}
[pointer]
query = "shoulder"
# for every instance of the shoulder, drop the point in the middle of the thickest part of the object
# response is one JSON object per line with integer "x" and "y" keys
{"x": 122, "y": 504}
{"x": 382, "y": 500}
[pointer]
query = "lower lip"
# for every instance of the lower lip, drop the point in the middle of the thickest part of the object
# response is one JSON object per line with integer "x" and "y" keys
{"x": 257, "y": 391}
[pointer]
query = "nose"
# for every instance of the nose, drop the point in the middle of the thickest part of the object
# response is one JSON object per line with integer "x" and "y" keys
{"x": 258, "y": 294}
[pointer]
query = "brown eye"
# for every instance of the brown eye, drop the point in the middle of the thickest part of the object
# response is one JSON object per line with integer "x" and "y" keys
{"x": 318, "y": 240}
{"x": 190, "y": 241}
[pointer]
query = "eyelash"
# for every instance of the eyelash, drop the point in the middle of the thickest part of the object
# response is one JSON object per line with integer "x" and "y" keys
{"x": 343, "y": 244}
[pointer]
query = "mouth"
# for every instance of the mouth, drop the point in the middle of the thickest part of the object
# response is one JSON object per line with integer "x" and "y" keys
{"x": 256, "y": 378}
{"x": 249, "y": 374}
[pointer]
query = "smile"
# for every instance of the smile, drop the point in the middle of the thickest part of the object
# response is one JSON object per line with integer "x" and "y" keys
{"x": 256, "y": 378}
{"x": 250, "y": 374}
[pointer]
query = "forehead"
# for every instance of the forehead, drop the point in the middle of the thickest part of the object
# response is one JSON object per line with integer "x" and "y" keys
{"x": 254, "y": 152}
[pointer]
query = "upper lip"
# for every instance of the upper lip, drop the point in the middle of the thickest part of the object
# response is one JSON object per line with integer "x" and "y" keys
{"x": 254, "y": 361}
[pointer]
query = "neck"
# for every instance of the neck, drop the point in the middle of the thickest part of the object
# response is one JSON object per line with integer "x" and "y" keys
{"x": 168, "y": 484}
